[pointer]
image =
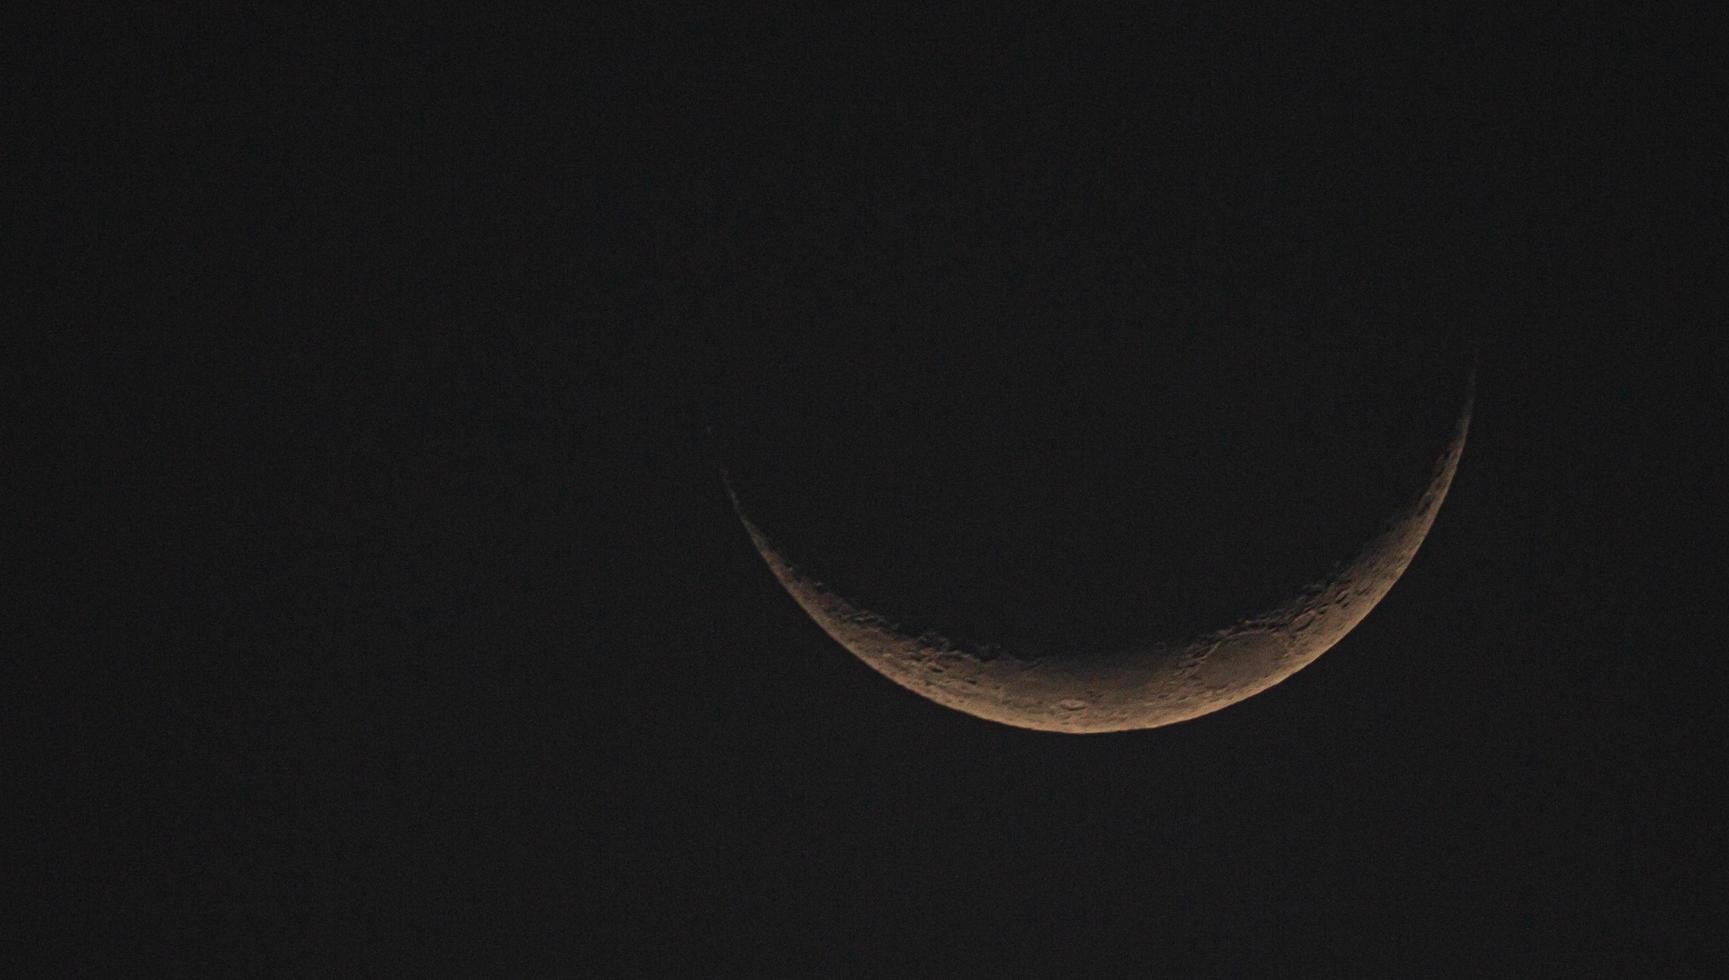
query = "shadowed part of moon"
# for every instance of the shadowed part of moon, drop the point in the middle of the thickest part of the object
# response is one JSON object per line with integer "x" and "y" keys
{"x": 1143, "y": 686}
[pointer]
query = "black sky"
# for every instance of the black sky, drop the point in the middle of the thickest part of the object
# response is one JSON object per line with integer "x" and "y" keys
{"x": 384, "y": 611}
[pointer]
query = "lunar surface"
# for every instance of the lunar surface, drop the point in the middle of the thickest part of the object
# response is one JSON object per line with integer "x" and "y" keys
{"x": 1142, "y": 686}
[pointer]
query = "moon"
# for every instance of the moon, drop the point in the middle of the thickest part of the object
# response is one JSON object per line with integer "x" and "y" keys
{"x": 1145, "y": 685}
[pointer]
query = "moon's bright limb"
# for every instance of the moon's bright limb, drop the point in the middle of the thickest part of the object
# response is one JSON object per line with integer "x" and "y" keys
{"x": 1144, "y": 686}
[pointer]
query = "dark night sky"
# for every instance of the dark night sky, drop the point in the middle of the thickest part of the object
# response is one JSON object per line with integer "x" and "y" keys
{"x": 384, "y": 612}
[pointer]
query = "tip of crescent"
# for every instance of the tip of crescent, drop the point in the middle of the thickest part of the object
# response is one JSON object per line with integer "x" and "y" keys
{"x": 731, "y": 491}
{"x": 1470, "y": 405}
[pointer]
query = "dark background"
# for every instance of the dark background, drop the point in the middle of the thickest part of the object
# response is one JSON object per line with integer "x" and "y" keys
{"x": 381, "y": 610}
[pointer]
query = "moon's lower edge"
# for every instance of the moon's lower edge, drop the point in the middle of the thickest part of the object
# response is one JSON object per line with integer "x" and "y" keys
{"x": 1147, "y": 686}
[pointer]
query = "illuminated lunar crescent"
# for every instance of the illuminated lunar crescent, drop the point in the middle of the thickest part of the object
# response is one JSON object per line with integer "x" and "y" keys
{"x": 1143, "y": 686}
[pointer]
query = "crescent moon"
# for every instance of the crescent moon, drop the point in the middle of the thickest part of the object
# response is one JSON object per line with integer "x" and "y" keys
{"x": 1148, "y": 685}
